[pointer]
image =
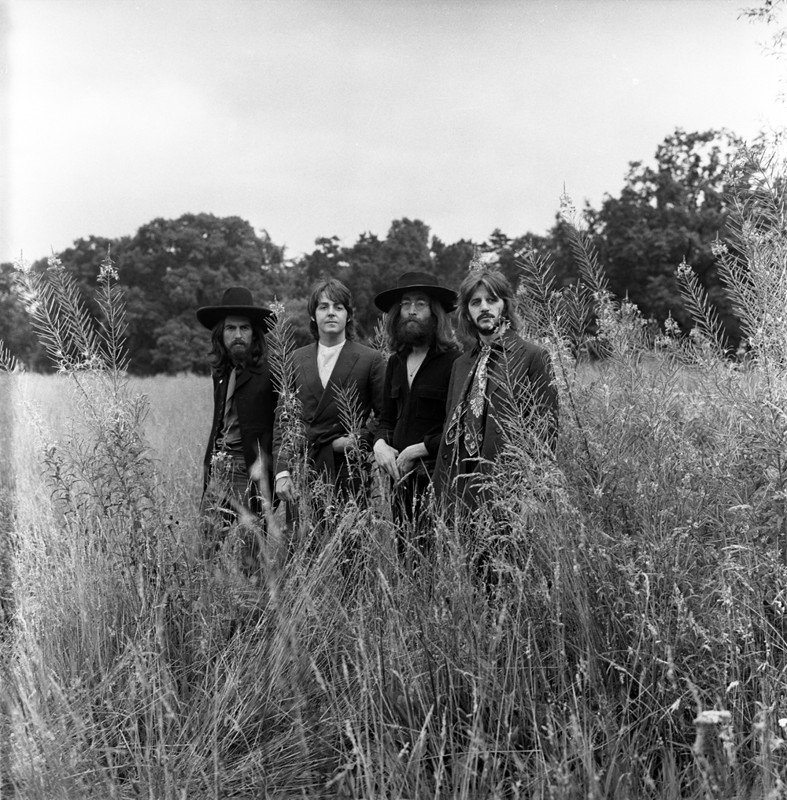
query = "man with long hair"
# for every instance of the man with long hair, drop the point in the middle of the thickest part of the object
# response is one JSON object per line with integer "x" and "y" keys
{"x": 502, "y": 376}
{"x": 238, "y": 459}
{"x": 423, "y": 350}
{"x": 328, "y": 374}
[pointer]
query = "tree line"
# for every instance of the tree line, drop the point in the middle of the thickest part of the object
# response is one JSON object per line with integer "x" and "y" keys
{"x": 668, "y": 211}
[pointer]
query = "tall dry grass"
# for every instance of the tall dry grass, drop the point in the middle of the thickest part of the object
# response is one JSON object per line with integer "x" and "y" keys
{"x": 612, "y": 625}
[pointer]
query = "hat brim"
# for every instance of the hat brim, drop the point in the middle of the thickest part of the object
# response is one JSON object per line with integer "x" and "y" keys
{"x": 446, "y": 297}
{"x": 210, "y": 315}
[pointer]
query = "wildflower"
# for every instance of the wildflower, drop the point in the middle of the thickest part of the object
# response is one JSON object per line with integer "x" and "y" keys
{"x": 21, "y": 264}
{"x": 719, "y": 248}
{"x": 671, "y": 328}
{"x": 568, "y": 210}
{"x": 218, "y": 459}
{"x": 277, "y": 307}
{"x": 684, "y": 270}
{"x": 107, "y": 270}
{"x": 54, "y": 262}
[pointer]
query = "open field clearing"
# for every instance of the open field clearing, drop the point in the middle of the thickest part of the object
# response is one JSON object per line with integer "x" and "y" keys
{"x": 175, "y": 425}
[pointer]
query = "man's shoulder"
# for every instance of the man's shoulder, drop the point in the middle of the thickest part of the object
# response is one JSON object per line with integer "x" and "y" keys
{"x": 451, "y": 356}
{"x": 305, "y": 351}
{"x": 362, "y": 350}
{"x": 465, "y": 359}
{"x": 525, "y": 348}
{"x": 463, "y": 364}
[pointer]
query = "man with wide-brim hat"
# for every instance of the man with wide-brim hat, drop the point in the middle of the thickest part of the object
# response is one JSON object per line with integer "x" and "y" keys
{"x": 237, "y": 300}
{"x": 423, "y": 349}
{"x": 238, "y": 459}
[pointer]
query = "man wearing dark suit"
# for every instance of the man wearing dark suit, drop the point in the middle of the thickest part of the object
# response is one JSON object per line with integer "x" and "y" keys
{"x": 423, "y": 349}
{"x": 328, "y": 373}
{"x": 502, "y": 375}
{"x": 239, "y": 452}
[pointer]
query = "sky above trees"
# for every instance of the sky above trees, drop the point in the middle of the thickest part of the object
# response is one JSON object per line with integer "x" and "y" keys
{"x": 313, "y": 119}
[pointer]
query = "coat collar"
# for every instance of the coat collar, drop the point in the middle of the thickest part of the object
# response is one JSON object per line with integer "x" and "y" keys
{"x": 342, "y": 370}
{"x": 246, "y": 374}
{"x": 498, "y": 344}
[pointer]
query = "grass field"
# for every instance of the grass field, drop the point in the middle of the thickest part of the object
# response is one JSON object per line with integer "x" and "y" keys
{"x": 643, "y": 588}
{"x": 612, "y": 625}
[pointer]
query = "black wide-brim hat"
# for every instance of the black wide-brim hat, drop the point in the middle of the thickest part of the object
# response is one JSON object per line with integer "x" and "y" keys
{"x": 417, "y": 282}
{"x": 237, "y": 301}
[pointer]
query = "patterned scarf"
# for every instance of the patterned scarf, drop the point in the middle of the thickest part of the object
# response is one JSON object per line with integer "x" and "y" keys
{"x": 467, "y": 421}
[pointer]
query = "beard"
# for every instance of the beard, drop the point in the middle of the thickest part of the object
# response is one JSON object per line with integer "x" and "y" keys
{"x": 416, "y": 333}
{"x": 239, "y": 354}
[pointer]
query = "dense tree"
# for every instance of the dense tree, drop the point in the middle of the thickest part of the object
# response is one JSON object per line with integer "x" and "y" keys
{"x": 666, "y": 213}
{"x": 451, "y": 260}
{"x": 16, "y": 329}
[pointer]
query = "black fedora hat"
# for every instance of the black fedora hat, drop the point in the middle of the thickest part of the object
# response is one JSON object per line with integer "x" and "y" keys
{"x": 237, "y": 301}
{"x": 417, "y": 282}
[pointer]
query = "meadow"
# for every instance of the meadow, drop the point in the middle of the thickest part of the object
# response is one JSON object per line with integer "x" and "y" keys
{"x": 626, "y": 638}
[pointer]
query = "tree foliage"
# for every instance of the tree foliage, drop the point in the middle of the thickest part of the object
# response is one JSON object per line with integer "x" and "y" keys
{"x": 669, "y": 211}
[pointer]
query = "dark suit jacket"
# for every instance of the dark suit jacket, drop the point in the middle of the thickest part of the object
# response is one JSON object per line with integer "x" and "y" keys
{"x": 514, "y": 363}
{"x": 413, "y": 414}
{"x": 321, "y": 408}
{"x": 255, "y": 400}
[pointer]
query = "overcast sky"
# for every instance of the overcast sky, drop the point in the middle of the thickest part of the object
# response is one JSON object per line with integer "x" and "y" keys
{"x": 312, "y": 118}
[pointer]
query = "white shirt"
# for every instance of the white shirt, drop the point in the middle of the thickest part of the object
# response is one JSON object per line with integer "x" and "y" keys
{"x": 326, "y": 360}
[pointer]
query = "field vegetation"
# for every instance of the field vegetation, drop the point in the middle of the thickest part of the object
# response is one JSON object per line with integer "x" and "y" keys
{"x": 614, "y": 625}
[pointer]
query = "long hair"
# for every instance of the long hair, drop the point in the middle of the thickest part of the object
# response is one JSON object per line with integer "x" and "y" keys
{"x": 336, "y": 292}
{"x": 498, "y": 286}
{"x": 219, "y": 357}
{"x": 444, "y": 337}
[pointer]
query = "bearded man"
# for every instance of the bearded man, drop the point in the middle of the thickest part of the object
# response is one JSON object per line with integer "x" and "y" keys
{"x": 501, "y": 374}
{"x": 423, "y": 347}
{"x": 238, "y": 457}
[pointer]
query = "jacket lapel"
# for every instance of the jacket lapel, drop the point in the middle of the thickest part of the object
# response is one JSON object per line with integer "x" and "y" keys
{"x": 342, "y": 371}
{"x": 245, "y": 375}
{"x": 311, "y": 378}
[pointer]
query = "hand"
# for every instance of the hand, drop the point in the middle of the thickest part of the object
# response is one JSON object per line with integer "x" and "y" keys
{"x": 343, "y": 444}
{"x": 257, "y": 471}
{"x": 385, "y": 456}
{"x": 285, "y": 488}
{"x": 407, "y": 459}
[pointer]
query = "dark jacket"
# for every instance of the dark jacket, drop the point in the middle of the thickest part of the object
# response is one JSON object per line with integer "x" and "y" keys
{"x": 514, "y": 362}
{"x": 413, "y": 414}
{"x": 356, "y": 365}
{"x": 255, "y": 401}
